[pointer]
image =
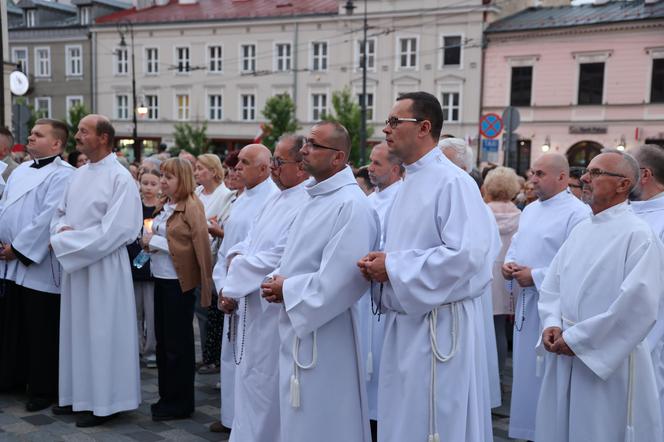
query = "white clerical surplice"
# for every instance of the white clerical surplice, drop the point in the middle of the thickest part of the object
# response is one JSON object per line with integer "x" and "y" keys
{"x": 99, "y": 367}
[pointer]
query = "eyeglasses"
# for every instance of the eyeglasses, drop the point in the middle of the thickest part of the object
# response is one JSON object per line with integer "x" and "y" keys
{"x": 595, "y": 172}
{"x": 311, "y": 143}
{"x": 393, "y": 122}
{"x": 278, "y": 162}
{"x": 575, "y": 186}
{"x": 538, "y": 173}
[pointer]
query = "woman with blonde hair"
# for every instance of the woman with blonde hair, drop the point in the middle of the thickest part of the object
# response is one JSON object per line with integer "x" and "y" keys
{"x": 500, "y": 187}
{"x": 216, "y": 199}
{"x": 181, "y": 261}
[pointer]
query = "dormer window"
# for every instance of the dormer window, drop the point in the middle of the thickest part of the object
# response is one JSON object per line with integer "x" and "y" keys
{"x": 84, "y": 15}
{"x": 31, "y": 18}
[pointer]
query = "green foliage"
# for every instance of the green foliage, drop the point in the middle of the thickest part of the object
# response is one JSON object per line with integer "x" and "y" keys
{"x": 76, "y": 114}
{"x": 279, "y": 110}
{"x": 348, "y": 113}
{"x": 191, "y": 138}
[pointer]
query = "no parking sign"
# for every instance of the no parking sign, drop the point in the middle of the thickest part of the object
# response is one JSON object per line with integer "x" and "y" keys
{"x": 491, "y": 125}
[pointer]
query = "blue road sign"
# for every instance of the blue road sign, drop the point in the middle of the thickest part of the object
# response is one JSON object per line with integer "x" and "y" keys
{"x": 489, "y": 145}
{"x": 491, "y": 125}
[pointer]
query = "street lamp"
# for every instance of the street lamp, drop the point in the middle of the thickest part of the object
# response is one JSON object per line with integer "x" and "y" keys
{"x": 350, "y": 6}
{"x": 125, "y": 27}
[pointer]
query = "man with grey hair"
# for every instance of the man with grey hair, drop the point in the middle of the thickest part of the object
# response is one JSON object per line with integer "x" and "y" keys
{"x": 455, "y": 149}
{"x": 598, "y": 302}
{"x": 648, "y": 204}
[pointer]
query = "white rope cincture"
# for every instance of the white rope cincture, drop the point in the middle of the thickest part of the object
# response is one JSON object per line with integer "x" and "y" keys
{"x": 370, "y": 354}
{"x": 437, "y": 356}
{"x": 297, "y": 365}
{"x": 629, "y": 430}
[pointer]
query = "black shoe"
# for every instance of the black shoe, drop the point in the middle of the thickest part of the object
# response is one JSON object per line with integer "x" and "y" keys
{"x": 37, "y": 404}
{"x": 61, "y": 411}
{"x": 158, "y": 416}
{"x": 90, "y": 420}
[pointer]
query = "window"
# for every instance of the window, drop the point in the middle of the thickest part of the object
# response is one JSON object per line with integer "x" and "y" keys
{"x": 182, "y": 106}
{"x": 248, "y": 58}
{"x": 370, "y": 104}
{"x": 43, "y": 106}
{"x": 215, "y": 57}
{"x": 84, "y": 15}
{"x": 74, "y": 61}
{"x": 319, "y": 56}
{"x": 452, "y": 50}
{"x": 72, "y": 101}
{"x": 318, "y": 106}
{"x": 42, "y": 62}
{"x": 407, "y": 53}
{"x": 182, "y": 60}
{"x": 283, "y": 56}
{"x": 591, "y": 83}
{"x": 31, "y": 18}
{"x": 522, "y": 85}
{"x": 215, "y": 110}
{"x": 121, "y": 61}
{"x": 151, "y": 61}
{"x": 248, "y": 102}
{"x": 450, "y": 102}
{"x": 371, "y": 54}
{"x": 657, "y": 83}
{"x": 122, "y": 107}
{"x": 20, "y": 57}
{"x": 152, "y": 103}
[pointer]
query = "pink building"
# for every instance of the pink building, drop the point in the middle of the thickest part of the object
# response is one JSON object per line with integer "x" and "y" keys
{"x": 582, "y": 77}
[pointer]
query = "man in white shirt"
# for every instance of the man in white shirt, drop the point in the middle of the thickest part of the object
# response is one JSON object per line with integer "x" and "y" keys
{"x": 100, "y": 214}
{"x": 543, "y": 227}
{"x": 428, "y": 282}
{"x": 31, "y": 276}
{"x": 598, "y": 301}
{"x": 321, "y": 374}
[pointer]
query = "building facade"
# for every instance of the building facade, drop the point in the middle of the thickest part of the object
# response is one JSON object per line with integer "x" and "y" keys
{"x": 582, "y": 78}
{"x": 50, "y": 42}
{"x": 219, "y": 61}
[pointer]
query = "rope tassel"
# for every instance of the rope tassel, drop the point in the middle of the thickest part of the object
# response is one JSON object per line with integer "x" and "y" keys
{"x": 369, "y": 365}
{"x": 295, "y": 391}
{"x": 434, "y": 438}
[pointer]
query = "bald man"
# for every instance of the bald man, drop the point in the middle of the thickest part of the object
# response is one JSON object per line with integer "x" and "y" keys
{"x": 321, "y": 381}
{"x": 544, "y": 226}
{"x": 253, "y": 169}
{"x": 598, "y": 301}
{"x": 100, "y": 214}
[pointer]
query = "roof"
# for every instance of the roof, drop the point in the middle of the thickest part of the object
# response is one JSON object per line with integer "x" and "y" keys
{"x": 112, "y": 3}
{"x": 204, "y": 10}
{"x": 13, "y": 9}
{"x": 27, "y": 4}
{"x": 581, "y": 15}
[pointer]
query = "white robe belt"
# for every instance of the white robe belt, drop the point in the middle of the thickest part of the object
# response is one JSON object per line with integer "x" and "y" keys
{"x": 297, "y": 365}
{"x": 437, "y": 356}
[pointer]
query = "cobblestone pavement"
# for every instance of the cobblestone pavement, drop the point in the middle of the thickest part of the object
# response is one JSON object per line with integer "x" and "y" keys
{"x": 16, "y": 424}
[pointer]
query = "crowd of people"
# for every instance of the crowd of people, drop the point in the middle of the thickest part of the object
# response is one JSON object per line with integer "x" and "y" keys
{"x": 338, "y": 304}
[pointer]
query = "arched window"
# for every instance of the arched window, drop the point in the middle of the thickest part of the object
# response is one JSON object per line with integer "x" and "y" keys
{"x": 580, "y": 154}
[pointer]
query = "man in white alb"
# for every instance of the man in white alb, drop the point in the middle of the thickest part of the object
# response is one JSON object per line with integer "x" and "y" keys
{"x": 437, "y": 239}
{"x": 256, "y": 339}
{"x": 598, "y": 301}
{"x": 648, "y": 204}
{"x": 253, "y": 169}
{"x": 321, "y": 374}
{"x": 543, "y": 227}
{"x": 99, "y": 215}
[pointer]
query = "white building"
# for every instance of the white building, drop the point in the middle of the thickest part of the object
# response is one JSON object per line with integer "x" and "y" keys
{"x": 220, "y": 60}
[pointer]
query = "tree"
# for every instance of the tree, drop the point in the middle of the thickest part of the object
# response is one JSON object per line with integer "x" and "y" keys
{"x": 348, "y": 113}
{"x": 76, "y": 114}
{"x": 192, "y": 139}
{"x": 279, "y": 110}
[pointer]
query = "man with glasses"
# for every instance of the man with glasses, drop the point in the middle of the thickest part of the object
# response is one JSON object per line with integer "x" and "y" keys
{"x": 321, "y": 381}
{"x": 253, "y": 169}
{"x": 544, "y": 226}
{"x": 428, "y": 282}
{"x": 598, "y": 301}
{"x": 574, "y": 182}
{"x": 648, "y": 204}
{"x": 256, "y": 341}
